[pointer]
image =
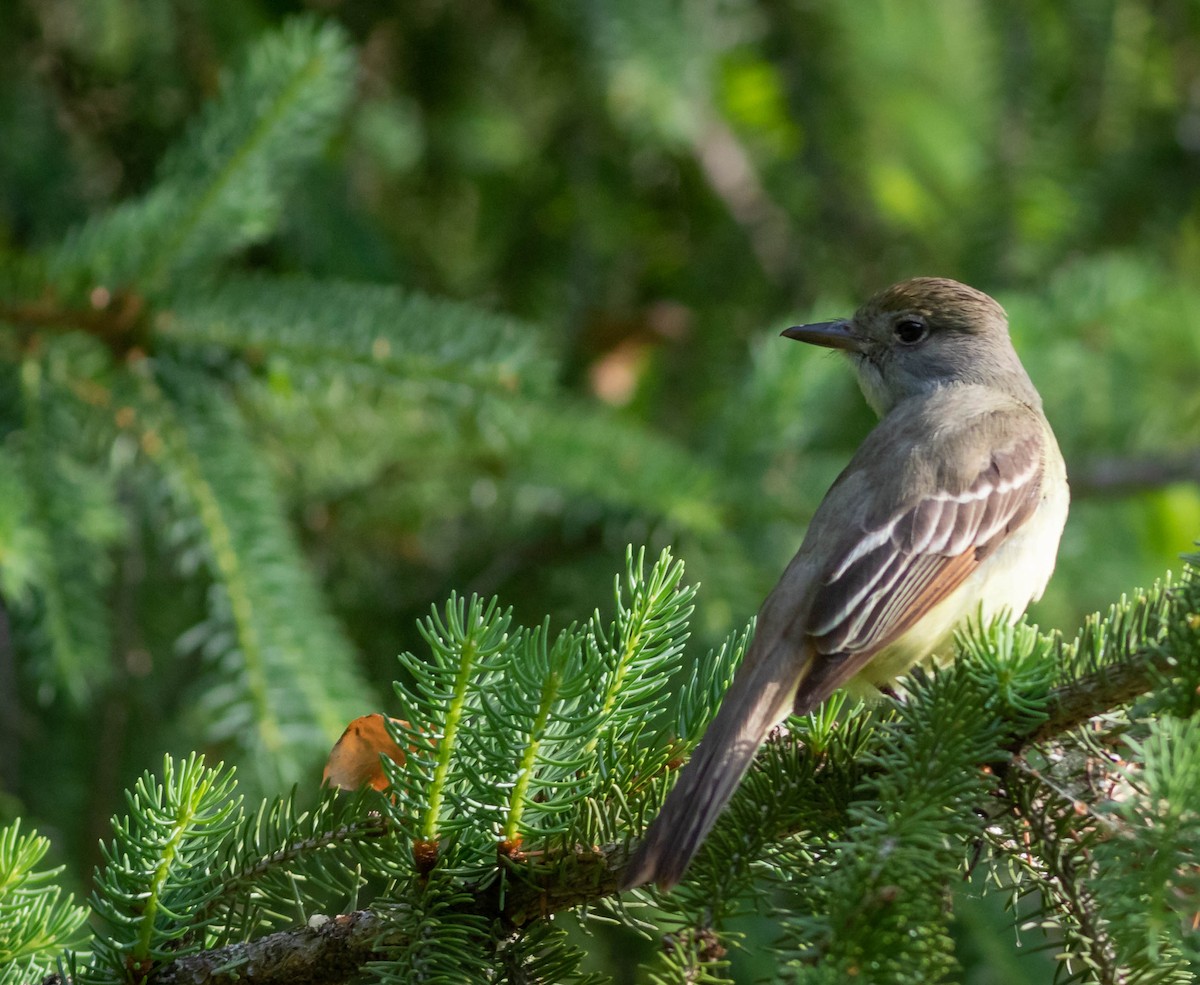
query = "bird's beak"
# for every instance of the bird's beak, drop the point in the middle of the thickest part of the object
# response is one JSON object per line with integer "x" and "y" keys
{"x": 831, "y": 334}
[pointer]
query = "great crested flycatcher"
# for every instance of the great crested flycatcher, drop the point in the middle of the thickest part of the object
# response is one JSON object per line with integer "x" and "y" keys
{"x": 952, "y": 507}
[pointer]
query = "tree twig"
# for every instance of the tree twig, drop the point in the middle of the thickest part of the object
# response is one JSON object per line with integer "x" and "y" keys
{"x": 1094, "y": 694}
{"x": 1122, "y": 475}
{"x": 332, "y": 951}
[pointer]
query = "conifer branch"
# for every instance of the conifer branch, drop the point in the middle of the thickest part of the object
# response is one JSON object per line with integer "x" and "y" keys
{"x": 1041, "y": 812}
{"x": 36, "y": 919}
{"x": 325, "y": 952}
{"x": 332, "y": 949}
{"x": 1101, "y": 691}
{"x": 928, "y": 759}
{"x": 223, "y": 186}
{"x": 266, "y": 619}
{"x": 324, "y": 329}
{"x": 69, "y": 518}
{"x": 563, "y": 879}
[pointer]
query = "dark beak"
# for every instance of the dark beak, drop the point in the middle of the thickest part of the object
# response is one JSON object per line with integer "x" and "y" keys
{"x": 831, "y": 334}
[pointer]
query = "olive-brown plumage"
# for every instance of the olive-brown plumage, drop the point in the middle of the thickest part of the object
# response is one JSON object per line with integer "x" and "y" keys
{"x": 952, "y": 507}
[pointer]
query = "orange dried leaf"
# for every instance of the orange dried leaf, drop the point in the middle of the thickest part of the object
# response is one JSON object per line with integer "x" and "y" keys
{"x": 354, "y": 762}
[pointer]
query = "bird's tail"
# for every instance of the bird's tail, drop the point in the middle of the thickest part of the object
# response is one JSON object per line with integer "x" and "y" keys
{"x": 760, "y": 697}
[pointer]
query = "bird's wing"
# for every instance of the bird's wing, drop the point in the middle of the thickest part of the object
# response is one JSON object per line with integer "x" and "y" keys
{"x": 905, "y": 563}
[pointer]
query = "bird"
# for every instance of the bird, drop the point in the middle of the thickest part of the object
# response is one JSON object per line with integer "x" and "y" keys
{"x": 951, "y": 508}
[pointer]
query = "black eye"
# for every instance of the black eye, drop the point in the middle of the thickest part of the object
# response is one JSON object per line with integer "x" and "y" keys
{"x": 910, "y": 331}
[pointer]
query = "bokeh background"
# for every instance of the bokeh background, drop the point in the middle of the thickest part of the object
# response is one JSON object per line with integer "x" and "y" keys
{"x": 647, "y": 191}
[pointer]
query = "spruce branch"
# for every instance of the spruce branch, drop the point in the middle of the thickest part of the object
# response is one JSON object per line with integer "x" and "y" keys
{"x": 328, "y": 951}
{"x": 605, "y": 458}
{"x": 560, "y": 881}
{"x": 335, "y": 949}
{"x": 36, "y": 921}
{"x": 1150, "y": 641}
{"x": 256, "y": 887}
{"x": 545, "y": 701}
{"x": 692, "y": 956}
{"x": 877, "y": 767}
{"x": 69, "y": 519}
{"x": 331, "y": 950}
{"x": 433, "y": 789}
{"x": 475, "y": 634}
{"x": 1143, "y": 865}
{"x": 635, "y": 656}
{"x": 1072, "y": 705}
{"x": 315, "y": 330}
{"x": 282, "y": 660}
{"x": 1057, "y": 861}
{"x": 223, "y": 186}
{"x": 876, "y": 908}
{"x": 158, "y": 869}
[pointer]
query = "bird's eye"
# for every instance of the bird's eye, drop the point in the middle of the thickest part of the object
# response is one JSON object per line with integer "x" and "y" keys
{"x": 910, "y": 331}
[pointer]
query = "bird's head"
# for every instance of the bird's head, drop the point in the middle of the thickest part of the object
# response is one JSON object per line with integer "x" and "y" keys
{"x": 923, "y": 334}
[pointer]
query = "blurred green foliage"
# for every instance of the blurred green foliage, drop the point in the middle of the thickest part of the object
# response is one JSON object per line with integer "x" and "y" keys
{"x": 581, "y": 226}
